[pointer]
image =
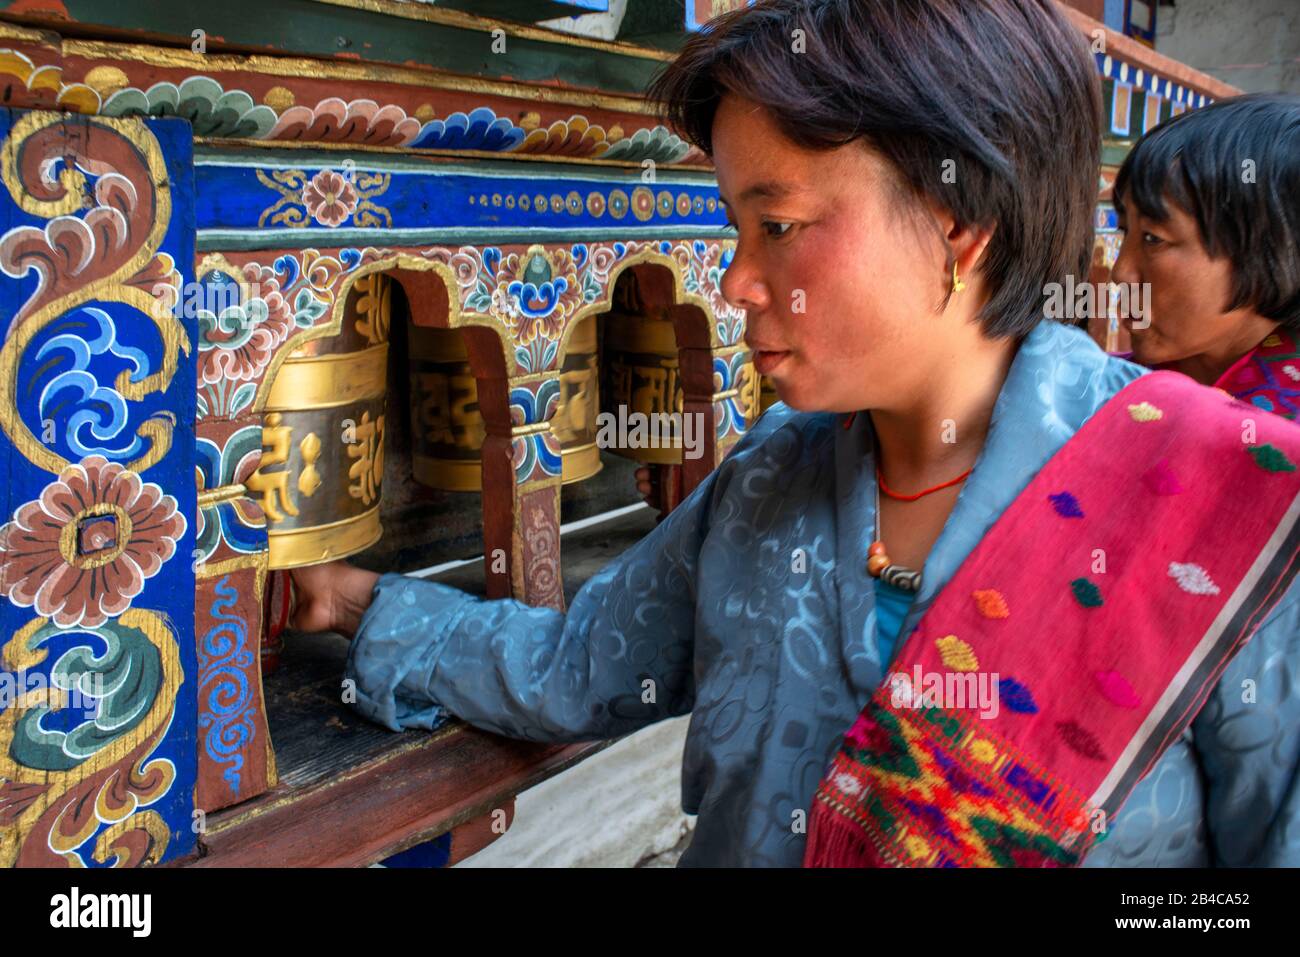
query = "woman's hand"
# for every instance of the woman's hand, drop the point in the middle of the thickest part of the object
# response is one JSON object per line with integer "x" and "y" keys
{"x": 660, "y": 486}
{"x": 646, "y": 486}
{"x": 331, "y": 597}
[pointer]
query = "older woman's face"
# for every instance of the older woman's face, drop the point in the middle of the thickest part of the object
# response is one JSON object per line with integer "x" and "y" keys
{"x": 1189, "y": 291}
{"x": 842, "y": 291}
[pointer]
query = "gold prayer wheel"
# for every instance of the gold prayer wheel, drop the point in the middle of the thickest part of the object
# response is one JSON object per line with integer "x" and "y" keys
{"x": 321, "y": 475}
{"x": 767, "y": 396}
{"x": 574, "y": 424}
{"x": 642, "y": 374}
{"x": 449, "y": 429}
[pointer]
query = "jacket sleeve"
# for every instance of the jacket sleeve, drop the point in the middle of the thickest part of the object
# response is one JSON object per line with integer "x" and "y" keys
{"x": 1248, "y": 739}
{"x": 622, "y": 658}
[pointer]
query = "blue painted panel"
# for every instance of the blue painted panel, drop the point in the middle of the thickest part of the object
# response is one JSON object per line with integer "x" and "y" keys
{"x": 315, "y": 205}
{"x": 97, "y": 691}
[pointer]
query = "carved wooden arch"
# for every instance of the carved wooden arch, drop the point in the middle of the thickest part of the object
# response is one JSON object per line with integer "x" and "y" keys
{"x": 695, "y": 330}
{"x": 426, "y": 281}
{"x": 662, "y": 274}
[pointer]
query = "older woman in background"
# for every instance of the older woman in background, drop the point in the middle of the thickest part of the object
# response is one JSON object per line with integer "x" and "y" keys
{"x": 1210, "y": 206}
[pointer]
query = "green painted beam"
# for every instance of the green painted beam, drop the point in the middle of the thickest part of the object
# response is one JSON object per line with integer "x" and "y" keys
{"x": 321, "y": 29}
{"x": 660, "y": 24}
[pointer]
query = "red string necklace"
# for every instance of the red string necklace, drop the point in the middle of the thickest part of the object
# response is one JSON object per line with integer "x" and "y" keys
{"x": 879, "y": 564}
{"x": 880, "y": 480}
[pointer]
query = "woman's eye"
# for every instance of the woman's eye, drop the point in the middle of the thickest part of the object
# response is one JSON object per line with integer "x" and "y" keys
{"x": 1151, "y": 239}
{"x": 777, "y": 230}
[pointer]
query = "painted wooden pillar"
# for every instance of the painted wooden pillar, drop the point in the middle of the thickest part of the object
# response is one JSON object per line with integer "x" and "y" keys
{"x": 719, "y": 383}
{"x": 98, "y": 515}
{"x": 236, "y": 760}
{"x": 522, "y": 474}
{"x": 236, "y": 757}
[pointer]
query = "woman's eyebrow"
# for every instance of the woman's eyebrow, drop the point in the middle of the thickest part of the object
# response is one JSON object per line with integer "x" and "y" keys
{"x": 766, "y": 189}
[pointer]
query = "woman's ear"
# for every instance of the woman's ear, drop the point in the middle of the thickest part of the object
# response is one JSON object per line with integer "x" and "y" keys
{"x": 968, "y": 244}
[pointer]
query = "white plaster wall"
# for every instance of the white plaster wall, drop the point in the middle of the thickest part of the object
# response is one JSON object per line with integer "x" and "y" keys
{"x": 620, "y": 808}
{"x": 1252, "y": 44}
{"x": 599, "y": 26}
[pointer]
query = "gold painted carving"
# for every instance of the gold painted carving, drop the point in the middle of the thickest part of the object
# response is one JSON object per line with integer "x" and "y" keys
{"x": 309, "y": 481}
{"x": 274, "y": 486}
{"x": 374, "y": 305}
{"x": 17, "y": 655}
{"x": 156, "y": 431}
{"x": 368, "y": 450}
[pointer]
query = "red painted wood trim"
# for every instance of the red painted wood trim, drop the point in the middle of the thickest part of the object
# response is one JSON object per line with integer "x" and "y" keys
{"x": 472, "y": 836}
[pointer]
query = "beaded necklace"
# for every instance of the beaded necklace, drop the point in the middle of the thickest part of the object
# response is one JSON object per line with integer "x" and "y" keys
{"x": 878, "y": 563}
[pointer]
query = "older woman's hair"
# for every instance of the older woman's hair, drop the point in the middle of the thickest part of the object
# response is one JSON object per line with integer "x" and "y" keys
{"x": 1004, "y": 89}
{"x": 1234, "y": 167}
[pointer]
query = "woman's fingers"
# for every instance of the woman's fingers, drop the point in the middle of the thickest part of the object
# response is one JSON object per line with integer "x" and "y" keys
{"x": 645, "y": 485}
{"x": 314, "y": 597}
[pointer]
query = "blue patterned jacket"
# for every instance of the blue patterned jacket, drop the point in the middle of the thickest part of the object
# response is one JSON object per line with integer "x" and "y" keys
{"x": 773, "y": 658}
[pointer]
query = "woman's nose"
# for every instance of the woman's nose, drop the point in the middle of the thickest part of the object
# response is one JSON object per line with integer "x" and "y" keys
{"x": 743, "y": 285}
{"x": 1125, "y": 269}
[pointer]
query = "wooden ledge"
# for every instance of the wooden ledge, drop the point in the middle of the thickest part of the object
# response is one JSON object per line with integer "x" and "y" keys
{"x": 1137, "y": 54}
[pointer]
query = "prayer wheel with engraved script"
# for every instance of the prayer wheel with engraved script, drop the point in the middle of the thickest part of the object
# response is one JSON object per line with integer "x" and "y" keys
{"x": 448, "y": 427}
{"x": 640, "y": 364}
{"x": 641, "y": 375}
{"x": 322, "y": 466}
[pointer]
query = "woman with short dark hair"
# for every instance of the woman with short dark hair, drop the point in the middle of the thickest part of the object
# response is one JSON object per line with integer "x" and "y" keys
{"x": 1210, "y": 205}
{"x": 975, "y": 593}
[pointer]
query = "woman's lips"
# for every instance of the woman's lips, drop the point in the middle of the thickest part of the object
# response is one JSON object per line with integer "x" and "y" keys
{"x": 767, "y": 362}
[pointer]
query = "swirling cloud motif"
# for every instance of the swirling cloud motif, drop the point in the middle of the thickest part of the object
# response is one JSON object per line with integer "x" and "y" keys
{"x": 211, "y": 110}
{"x": 227, "y": 714}
{"x": 128, "y": 673}
{"x": 45, "y": 84}
{"x": 358, "y": 121}
{"x": 65, "y": 382}
{"x": 576, "y": 136}
{"x": 42, "y": 560}
{"x": 70, "y": 246}
{"x": 481, "y": 129}
{"x": 659, "y": 144}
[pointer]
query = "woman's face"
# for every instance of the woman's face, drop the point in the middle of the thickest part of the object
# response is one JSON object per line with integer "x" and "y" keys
{"x": 1189, "y": 291}
{"x": 842, "y": 289}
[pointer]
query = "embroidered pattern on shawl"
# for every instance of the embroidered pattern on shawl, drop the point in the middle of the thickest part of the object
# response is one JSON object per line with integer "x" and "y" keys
{"x": 1112, "y": 621}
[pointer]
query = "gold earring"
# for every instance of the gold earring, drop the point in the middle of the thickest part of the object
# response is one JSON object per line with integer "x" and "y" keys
{"x": 957, "y": 284}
